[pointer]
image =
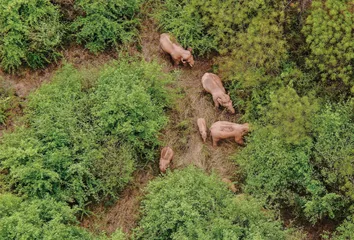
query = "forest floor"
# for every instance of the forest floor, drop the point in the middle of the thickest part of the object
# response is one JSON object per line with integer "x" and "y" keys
{"x": 181, "y": 134}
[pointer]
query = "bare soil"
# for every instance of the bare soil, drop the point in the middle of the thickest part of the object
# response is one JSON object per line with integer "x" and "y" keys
{"x": 125, "y": 212}
{"x": 26, "y": 80}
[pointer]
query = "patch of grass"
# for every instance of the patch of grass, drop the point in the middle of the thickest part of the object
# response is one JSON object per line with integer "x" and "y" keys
{"x": 7, "y": 101}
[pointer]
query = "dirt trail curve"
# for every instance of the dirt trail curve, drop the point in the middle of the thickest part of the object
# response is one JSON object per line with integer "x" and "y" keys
{"x": 181, "y": 135}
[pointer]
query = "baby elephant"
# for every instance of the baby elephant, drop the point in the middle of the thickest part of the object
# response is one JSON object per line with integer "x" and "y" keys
{"x": 222, "y": 130}
{"x": 202, "y": 128}
{"x": 212, "y": 84}
{"x": 230, "y": 184}
{"x": 166, "y": 158}
{"x": 177, "y": 52}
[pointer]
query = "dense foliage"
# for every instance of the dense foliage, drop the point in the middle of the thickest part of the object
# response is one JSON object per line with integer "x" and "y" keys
{"x": 329, "y": 37}
{"x": 30, "y": 32}
{"x": 76, "y": 148}
{"x": 186, "y": 24}
{"x": 84, "y": 135}
{"x": 7, "y": 100}
{"x": 188, "y": 204}
{"x": 105, "y": 23}
{"x": 312, "y": 173}
{"x": 42, "y": 219}
{"x": 37, "y": 219}
{"x": 345, "y": 231}
{"x": 223, "y": 26}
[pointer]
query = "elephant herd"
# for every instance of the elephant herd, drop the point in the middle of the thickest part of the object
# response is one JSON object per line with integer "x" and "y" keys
{"x": 211, "y": 84}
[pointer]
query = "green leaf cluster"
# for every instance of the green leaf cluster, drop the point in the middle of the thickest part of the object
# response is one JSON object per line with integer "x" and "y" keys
{"x": 288, "y": 115}
{"x": 303, "y": 157}
{"x": 185, "y": 22}
{"x": 104, "y": 24}
{"x": 7, "y": 101}
{"x": 82, "y": 143}
{"x": 188, "y": 204}
{"x": 345, "y": 230}
{"x": 227, "y": 26}
{"x": 43, "y": 219}
{"x": 329, "y": 37}
{"x": 256, "y": 55}
{"x": 37, "y": 219}
{"x": 333, "y": 150}
{"x": 30, "y": 33}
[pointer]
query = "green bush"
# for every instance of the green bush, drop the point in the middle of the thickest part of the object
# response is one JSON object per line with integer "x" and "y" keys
{"x": 258, "y": 51}
{"x": 186, "y": 24}
{"x": 7, "y": 100}
{"x": 288, "y": 115}
{"x": 37, "y": 219}
{"x": 104, "y": 24}
{"x": 345, "y": 231}
{"x": 30, "y": 33}
{"x": 303, "y": 162}
{"x": 188, "y": 204}
{"x": 54, "y": 156}
{"x": 333, "y": 148}
{"x": 83, "y": 144}
{"x": 118, "y": 235}
{"x": 215, "y": 25}
{"x": 329, "y": 37}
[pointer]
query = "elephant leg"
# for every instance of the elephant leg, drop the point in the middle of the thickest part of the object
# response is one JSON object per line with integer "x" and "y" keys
{"x": 239, "y": 140}
{"x": 215, "y": 141}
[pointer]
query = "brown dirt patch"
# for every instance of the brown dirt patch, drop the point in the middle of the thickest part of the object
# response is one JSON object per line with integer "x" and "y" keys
{"x": 125, "y": 212}
{"x": 27, "y": 80}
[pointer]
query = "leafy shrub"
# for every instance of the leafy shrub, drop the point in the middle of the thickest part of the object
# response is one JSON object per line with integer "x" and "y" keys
{"x": 83, "y": 143}
{"x": 54, "y": 155}
{"x": 258, "y": 51}
{"x": 186, "y": 24}
{"x": 214, "y": 25}
{"x": 7, "y": 101}
{"x": 118, "y": 235}
{"x": 310, "y": 173}
{"x": 30, "y": 32}
{"x": 105, "y": 23}
{"x": 345, "y": 230}
{"x": 37, "y": 219}
{"x": 289, "y": 115}
{"x": 128, "y": 103}
{"x": 188, "y": 204}
{"x": 333, "y": 150}
{"x": 329, "y": 36}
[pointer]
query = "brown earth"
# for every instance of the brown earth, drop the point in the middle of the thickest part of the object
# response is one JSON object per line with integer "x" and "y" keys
{"x": 125, "y": 212}
{"x": 25, "y": 80}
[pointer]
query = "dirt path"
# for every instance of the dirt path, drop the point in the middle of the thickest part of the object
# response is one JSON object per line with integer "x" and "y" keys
{"x": 182, "y": 135}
